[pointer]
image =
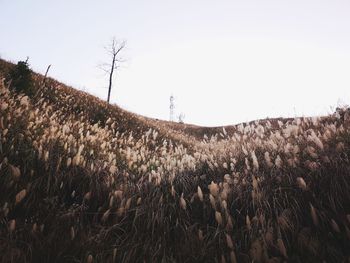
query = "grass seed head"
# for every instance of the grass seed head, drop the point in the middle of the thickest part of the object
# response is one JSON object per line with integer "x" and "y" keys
{"x": 200, "y": 193}
{"x": 281, "y": 247}
{"x": 212, "y": 201}
{"x": 72, "y": 233}
{"x": 229, "y": 241}
{"x": 335, "y": 226}
{"x": 20, "y": 196}
{"x": 87, "y": 196}
{"x": 218, "y": 218}
{"x": 214, "y": 189}
{"x": 16, "y": 172}
{"x": 12, "y": 225}
{"x": 301, "y": 183}
{"x": 182, "y": 202}
{"x": 200, "y": 235}
{"x": 314, "y": 215}
{"x": 248, "y": 223}
{"x": 233, "y": 257}
{"x": 229, "y": 224}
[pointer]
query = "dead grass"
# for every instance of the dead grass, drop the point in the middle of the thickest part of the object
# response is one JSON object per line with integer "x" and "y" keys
{"x": 84, "y": 181}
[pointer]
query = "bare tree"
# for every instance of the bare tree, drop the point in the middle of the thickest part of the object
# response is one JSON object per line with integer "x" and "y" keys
{"x": 114, "y": 50}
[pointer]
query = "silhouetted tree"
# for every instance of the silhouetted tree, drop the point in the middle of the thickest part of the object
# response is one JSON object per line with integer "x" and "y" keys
{"x": 20, "y": 78}
{"x": 114, "y": 51}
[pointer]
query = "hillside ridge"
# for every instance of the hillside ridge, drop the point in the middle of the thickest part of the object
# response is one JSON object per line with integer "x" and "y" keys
{"x": 84, "y": 181}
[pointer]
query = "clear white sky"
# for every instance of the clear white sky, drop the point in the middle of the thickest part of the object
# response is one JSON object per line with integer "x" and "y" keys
{"x": 225, "y": 61}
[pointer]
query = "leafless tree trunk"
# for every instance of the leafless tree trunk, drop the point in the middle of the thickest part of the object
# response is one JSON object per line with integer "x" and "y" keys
{"x": 114, "y": 50}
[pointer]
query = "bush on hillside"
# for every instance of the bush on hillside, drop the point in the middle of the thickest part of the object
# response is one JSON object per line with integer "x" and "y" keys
{"x": 21, "y": 78}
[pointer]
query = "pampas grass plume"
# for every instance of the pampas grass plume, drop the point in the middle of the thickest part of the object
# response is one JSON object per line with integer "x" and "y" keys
{"x": 335, "y": 226}
{"x": 35, "y": 227}
{"x": 72, "y": 233}
{"x": 20, "y": 196}
{"x": 200, "y": 235}
{"x": 229, "y": 241}
{"x": 89, "y": 259}
{"x": 214, "y": 189}
{"x": 114, "y": 254}
{"x": 212, "y": 201}
{"x": 248, "y": 223}
{"x": 233, "y": 257}
{"x": 12, "y": 225}
{"x": 301, "y": 183}
{"x": 229, "y": 224}
{"x": 281, "y": 247}
{"x": 255, "y": 183}
{"x": 313, "y": 215}
{"x": 173, "y": 191}
{"x": 200, "y": 193}
{"x": 16, "y": 172}
{"x": 182, "y": 202}
{"x": 87, "y": 196}
{"x": 218, "y": 218}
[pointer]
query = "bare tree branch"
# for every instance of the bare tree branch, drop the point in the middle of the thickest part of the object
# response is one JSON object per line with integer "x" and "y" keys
{"x": 104, "y": 67}
{"x": 114, "y": 51}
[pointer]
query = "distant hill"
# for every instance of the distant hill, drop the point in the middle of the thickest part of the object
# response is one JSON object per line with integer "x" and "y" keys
{"x": 84, "y": 181}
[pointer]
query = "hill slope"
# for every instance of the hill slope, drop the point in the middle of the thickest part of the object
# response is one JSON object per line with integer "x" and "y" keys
{"x": 83, "y": 181}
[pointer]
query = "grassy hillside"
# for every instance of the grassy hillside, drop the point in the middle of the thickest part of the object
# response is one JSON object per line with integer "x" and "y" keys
{"x": 84, "y": 181}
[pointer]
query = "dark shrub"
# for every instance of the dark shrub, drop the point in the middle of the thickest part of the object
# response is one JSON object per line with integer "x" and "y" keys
{"x": 21, "y": 78}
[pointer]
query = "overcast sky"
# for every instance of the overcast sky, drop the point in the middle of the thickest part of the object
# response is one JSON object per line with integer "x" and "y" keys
{"x": 224, "y": 61}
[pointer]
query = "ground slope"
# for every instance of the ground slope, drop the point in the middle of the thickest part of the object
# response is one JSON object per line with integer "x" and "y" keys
{"x": 83, "y": 181}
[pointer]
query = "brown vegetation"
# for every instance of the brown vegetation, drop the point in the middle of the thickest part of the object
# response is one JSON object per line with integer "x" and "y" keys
{"x": 84, "y": 181}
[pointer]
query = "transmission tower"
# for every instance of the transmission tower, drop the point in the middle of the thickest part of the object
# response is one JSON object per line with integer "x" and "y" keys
{"x": 172, "y": 106}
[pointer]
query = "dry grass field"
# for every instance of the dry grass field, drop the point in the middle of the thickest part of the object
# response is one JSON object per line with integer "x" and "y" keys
{"x": 84, "y": 181}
